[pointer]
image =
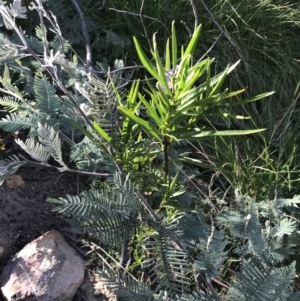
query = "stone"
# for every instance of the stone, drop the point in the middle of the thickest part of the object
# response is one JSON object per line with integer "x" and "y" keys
{"x": 14, "y": 181}
{"x": 89, "y": 290}
{"x": 46, "y": 269}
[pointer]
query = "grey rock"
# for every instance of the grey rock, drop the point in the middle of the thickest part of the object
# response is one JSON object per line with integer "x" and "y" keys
{"x": 47, "y": 269}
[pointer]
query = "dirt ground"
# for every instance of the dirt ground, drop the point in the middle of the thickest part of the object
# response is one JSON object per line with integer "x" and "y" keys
{"x": 25, "y": 214}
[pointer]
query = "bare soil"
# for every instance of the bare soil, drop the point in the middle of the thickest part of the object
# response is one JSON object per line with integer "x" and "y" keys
{"x": 25, "y": 214}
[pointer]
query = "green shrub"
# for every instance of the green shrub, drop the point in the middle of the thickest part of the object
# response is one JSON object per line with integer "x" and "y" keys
{"x": 148, "y": 215}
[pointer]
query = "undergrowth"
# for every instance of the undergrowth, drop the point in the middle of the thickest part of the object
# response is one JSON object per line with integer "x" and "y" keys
{"x": 194, "y": 165}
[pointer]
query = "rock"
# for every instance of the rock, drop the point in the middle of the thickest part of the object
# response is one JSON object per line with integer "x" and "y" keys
{"x": 46, "y": 269}
{"x": 14, "y": 181}
{"x": 89, "y": 290}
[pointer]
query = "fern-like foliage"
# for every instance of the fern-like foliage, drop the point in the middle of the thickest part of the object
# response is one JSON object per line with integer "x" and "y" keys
{"x": 269, "y": 242}
{"x": 7, "y": 49}
{"x": 34, "y": 98}
{"x": 49, "y": 138}
{"x": 12, "y": 104}
{"x": 125, "y": 286}
{"x": 195, "y": 296}
{"x": 110, "y": 216}
{"x": 168, "y": 267}
{"x": 258, "y": 282}
{"x": 35, "y": 150}
{"x": 102, "y": 103}
{"x": 46, "y": 98}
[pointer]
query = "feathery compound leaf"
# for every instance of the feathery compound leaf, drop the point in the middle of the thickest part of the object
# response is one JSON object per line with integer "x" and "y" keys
{"x": 261, "y": 283}
{"x": 10, "y": 103}
{"x": 34, "y": 149}
{"x": 49, "y": 138}
{"x": 47, "y": 100}
{"x": 125, "y": 286}
{"x": 108, "y": 216}
{"x": 169, "y": 268}
{"x": 40, "y": 32}
{"x": 14, "y": 122}
{"x": 127, "y": 190}
{"x": 17, "y": 10}
{"x": 195, "y": 296}
{"x": 9, "y": 87}
{"x": 102, "y": 103}
{"x": 286, "y": 226}
{"x": 8, "y": 50}
{"x": 271, "y": 210}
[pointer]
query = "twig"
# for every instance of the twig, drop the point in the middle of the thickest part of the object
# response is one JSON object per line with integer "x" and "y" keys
{"x": 143, "y": 24}
{"x": 124, "y": 253}
{"x": 85, "y": 34}
{"x": 210, "y": 237}
{"x": 210, "y": 48}
{"x": 219, "y": 282}
{"x": 186, "y": 27}
{"x": 234, "y": 45}
{"x": 166, "y": 21}
{"x": 123, "y": 259}
{"x": 138, "y": 15}
{"x": 81, "y": 172}
{"x": 247, "y": 219}
{"x": 195, "y": 14}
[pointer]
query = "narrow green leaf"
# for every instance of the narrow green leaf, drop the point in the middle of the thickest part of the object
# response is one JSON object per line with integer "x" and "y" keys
{"x": 82, "y": 129}
{"x": 160, "y": 68}
{"x": 205, "y": 134}
{"x": 173, "y": 183}
{"x": 201, "y": 89}
{"x": 144, "y": 124}
{"x": 151, "y": 111}
{"x": 229, "y": 116}
{"x": 192, "y": 77}
{"x": 192, "y": 100}
{"x": 234, "y": 93}
{"x": 145, "y": 61}
{"x": 168, "y": 56}
{"x": 165, "y": 99}
{"x": 208, "y": 84}
{"x": 159, "y": 99}
{"x": 182, "y": 73}
{"x": 176, "y": 120}
{"x": 132, "y": 105}
{"x": 102, "y": 132}
{"x": 219, "y": 84}
{"x": 133, "y": 93}
{"x": 202, "y": 164}
{"x": 257, "y": 97}
{"x": 174, "y": 46}
{"x": 193, "y": 42}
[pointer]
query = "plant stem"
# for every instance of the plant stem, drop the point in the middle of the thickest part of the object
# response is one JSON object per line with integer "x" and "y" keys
{"x": 166, "y": 145}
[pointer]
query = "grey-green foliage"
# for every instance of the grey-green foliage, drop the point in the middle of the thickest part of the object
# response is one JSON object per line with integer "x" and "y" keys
{"x": 34, "y": 69}
{"x": 203, "y": 251}
{"x": 260, "y": 282}
{"x": 108, "y": 215}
